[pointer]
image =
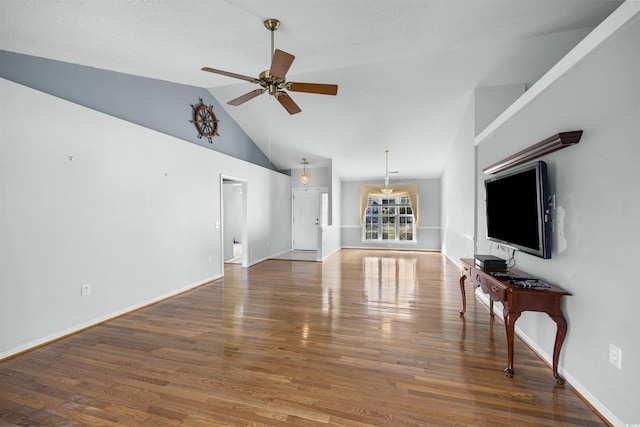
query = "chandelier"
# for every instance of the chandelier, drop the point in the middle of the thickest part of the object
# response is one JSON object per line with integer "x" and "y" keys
{"x": 386, "y": 190}
{"x": 304, "y": 178}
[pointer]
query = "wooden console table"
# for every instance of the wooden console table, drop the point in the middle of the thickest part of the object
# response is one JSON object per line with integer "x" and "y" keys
{"x": 515, "y": 300}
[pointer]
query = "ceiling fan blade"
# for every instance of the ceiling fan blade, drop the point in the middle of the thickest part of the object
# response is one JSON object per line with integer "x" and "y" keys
{"x": 322, "y": 89}
{"x": 246, "y": 97}
{"x": 234, "y": 75}
{"x": 280, "y": 63}
{"x": 288, "y": 103}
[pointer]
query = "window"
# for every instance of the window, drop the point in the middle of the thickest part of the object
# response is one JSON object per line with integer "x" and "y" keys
{"x": 389, "y": 219}
{"x": 325, "y": 209}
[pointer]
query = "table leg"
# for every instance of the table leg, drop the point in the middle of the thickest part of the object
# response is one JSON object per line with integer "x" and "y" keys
{"x": 510, "y": 318}
{"x": 561, "y": 332}
{"x": 464, "y": 296}
{"x": 491, "y": 307}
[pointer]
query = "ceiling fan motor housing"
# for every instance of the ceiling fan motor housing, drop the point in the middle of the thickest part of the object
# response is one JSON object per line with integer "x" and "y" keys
{"x": 271, "y": 83}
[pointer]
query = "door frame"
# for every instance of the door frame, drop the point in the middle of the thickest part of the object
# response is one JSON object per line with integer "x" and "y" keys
{"x": 243, "y": 219}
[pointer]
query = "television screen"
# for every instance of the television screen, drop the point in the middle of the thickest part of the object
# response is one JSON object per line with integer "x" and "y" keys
{"x": 517, "y": 209}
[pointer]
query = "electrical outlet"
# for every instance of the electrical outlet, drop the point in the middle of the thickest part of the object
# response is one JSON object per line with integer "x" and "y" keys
{"x": 85, "y": 289}
{"x": 615, "y": 356}
{"x": 210, "y": 258}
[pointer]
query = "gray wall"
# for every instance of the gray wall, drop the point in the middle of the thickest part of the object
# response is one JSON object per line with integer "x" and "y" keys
{"x": 429, "y": 229}
{"x": 596, "y": 222}
{"x": 155, "y": 104}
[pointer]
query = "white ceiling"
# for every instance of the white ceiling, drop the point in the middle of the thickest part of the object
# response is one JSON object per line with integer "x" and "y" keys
{"x": 406, "y": 69}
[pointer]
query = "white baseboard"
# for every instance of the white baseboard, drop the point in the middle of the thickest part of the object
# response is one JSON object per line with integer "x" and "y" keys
{"x": 411, "y": 249}
{"x": 96, "y": 321}
{"x": 327, "y": 256}
{"x": 570, "y": 379}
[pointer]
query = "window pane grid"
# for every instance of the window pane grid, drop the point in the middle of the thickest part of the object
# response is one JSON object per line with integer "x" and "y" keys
{"x": 389, "y": 219}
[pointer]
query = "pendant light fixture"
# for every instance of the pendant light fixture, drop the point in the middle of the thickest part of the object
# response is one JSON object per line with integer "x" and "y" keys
{"x": 304, "y": 178}
{"x": 386, "y": 190}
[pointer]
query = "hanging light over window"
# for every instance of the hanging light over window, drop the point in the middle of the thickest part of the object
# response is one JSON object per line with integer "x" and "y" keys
{"x": 304, "y": 178}
{"x": 386, "y": 190}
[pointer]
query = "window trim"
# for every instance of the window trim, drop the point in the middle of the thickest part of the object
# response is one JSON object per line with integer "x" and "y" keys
{"x": 410, "y": 190}
{"x": 397, "y": 219}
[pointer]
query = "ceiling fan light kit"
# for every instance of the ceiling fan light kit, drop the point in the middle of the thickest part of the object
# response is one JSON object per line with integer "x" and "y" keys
{"x": 274, "y": 81}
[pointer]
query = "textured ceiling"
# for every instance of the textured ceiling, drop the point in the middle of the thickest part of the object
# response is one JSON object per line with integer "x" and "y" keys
{"x": 406, "y": 69}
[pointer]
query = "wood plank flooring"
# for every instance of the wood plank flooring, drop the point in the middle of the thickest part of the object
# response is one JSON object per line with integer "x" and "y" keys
{"x": 367, "y": 338}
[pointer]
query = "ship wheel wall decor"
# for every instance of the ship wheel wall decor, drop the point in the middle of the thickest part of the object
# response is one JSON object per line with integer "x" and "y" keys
{"x": 205, "y": 121}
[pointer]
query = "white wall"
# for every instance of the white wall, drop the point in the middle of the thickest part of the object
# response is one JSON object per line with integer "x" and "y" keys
{"x": 318, "y": 177}
{"x": 458, "y": 177}
{"x": 88, "y": 198}
{"x": 332, "y": 234}
{"x": 491, "y": 101}
{"x": 428, "y": 230}
{"x": 335, "y": 197}
{"x": 458, "y": 193}
{"x": 597, "y": 220}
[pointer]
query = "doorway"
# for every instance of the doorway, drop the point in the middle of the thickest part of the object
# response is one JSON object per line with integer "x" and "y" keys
{"x": 233, "y": 207}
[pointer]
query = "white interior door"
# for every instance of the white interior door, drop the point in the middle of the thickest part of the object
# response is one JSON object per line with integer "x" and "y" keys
{"x": 306, "y": 219}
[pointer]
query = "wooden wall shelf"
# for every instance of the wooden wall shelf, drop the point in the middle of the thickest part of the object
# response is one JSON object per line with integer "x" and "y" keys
{"x": 554, "y": 143}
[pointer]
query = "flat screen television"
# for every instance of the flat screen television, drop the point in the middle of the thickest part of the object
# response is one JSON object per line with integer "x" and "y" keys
{"x": 517, "y": 209}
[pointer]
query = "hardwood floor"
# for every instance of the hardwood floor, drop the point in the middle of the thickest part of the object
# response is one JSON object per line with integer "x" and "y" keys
{"x": 367, "y": 338}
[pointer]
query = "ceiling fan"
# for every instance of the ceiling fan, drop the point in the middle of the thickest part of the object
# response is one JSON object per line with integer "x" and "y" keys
{"x": 274, "y": 81}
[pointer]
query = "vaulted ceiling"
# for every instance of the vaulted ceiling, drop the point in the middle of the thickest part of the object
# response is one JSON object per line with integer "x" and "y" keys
{"x": 406, "y": 69}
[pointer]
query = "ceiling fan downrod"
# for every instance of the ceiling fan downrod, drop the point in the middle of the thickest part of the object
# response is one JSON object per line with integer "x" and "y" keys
{"x": 272, "y": 25}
